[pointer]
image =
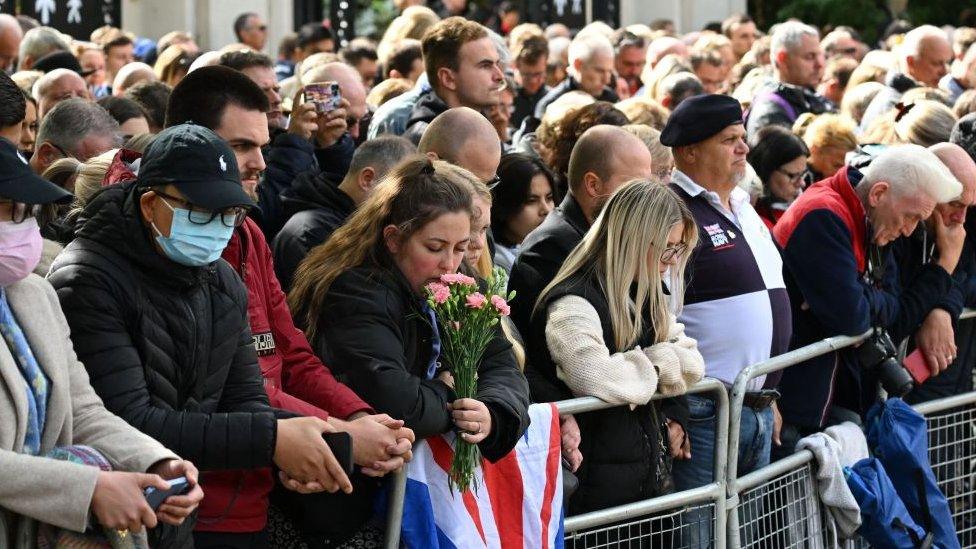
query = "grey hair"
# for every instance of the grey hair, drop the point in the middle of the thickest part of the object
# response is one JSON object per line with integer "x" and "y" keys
{"x": 45, "y": 81}
{"x": 789, "y": 35}
{"x": 72, "y": 120}
{"x": 39, "y": 42}
{"x": 381, "y": 154}
{"x": 912, "y": 169}
{"x": 912, "y": 44}
{"x": 585, "y": 46}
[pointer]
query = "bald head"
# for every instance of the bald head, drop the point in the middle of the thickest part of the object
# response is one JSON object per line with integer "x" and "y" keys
{"x": 603, "y": 159}
{"x": 10, "y": 35}
{"x": 960, "y": 164}
{"x": 664, "y": 46}
{"x": 464, "y": 137}
{"x": 925, "y": 54}
{"x": 56, "y": 86}
{"x": 350, "y": 86}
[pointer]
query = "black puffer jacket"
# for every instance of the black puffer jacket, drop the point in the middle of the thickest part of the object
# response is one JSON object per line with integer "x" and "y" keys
{"x": 315, "y": 208}
{"x": 167, "y": 347}
{"x": 373, "y": 332}
{"x": 620, "y": 446}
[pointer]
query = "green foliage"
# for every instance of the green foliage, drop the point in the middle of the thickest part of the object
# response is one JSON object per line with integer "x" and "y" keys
{"x": 869, "y": 17}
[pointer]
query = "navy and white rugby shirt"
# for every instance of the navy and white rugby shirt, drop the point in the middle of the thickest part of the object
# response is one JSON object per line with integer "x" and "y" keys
{"x": 735, "y": 305}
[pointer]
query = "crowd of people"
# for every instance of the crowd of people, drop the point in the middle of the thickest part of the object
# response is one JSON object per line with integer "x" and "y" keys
{"x": 230, "y": 266}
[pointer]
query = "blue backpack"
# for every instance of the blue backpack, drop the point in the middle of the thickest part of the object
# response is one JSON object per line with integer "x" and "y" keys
{"x": 884, "y": 520}
{"x": 897, "y": 436}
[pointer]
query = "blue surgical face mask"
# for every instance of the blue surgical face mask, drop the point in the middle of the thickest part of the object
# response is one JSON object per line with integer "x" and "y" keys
{"x": 191, "y": 244}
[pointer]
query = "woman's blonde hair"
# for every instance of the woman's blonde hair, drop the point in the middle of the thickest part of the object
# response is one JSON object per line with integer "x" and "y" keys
{"x": 386, "y": 90}
{"x": 644, "y": 110}
{"x": 662, "y": 161}
{"x": 91, "y": 174}
{"x": 413, "y": 194}
{"x": 666, "y": 66}
{"x": 831, "y": 130}
{"x": 633, "y": 226}
{"x": 485, "y": 265}
{"x": 414, "y": 22}
{"x": 856, "y": 99}
{"x": 170, "y": 62}
{"x": 925, "y": 123}
{"x": 61, "y": 171}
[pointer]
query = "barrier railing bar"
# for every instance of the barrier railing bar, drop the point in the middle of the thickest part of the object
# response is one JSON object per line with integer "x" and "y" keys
{"x": 394, "y": 515}
{"x": 614, "y": 514}
{"x": 728, "y": 420}
{"x": 708, "y": 493}
{"x": 945, "y": 403}
{"x": 771, "y": 471}
{"x": 739, "y": 389}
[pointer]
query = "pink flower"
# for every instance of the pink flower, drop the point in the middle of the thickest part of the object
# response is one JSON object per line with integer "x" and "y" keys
{"x": 476, "y": 300}
{"x": 501, "y": 305}
{"x": 457, "y": 278}
{"x": 439, "y": 292}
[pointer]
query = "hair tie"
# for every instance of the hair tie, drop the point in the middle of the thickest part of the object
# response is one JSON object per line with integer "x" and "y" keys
{"x": 903, "y": 109}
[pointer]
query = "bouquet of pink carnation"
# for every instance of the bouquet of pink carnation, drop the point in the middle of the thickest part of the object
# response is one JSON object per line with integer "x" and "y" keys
{"x": 467, "y": 321}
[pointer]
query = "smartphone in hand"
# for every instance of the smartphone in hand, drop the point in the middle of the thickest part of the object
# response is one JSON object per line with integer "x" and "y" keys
{"x": 326, "y": 96}
{"x": 177, "y": 487}
{"x": 341, "y": 445}
{"x": 918, "y": 367}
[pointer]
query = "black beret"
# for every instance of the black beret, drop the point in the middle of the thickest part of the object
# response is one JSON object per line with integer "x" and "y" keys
{"x": 700, "y": 117}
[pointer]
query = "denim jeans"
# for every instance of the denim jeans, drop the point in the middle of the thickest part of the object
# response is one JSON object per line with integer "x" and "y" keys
{"x": 755, "y": 440}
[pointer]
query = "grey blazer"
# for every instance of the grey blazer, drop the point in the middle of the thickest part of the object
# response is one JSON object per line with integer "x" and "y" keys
{"x": 57, "y": 492}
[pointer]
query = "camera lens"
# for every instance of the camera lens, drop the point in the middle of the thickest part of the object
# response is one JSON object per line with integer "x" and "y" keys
{"x": 895, "y": 379}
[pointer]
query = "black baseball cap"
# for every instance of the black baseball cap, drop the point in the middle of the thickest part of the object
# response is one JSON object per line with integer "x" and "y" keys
{"x": 60, "y": 60}
{"x": 197, "y": 162}
{"x": 19, "y": 183}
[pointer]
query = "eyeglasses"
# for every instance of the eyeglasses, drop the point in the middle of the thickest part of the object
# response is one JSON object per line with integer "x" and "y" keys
{"x": 493, "y": 182}
{"x": 20, "y": 212}
{"x": 261, "y": 28}
{"x": 231, "y": 217}
{"x": 794, "y": 177}
{"x": 672, "y": 252}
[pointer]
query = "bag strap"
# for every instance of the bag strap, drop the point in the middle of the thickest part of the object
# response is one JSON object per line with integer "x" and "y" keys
{"x": 923, "y": 501}
{"x": 775, "y": 98}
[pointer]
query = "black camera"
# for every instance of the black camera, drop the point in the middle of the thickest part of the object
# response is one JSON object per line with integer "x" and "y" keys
{"x": 878, "y": 355}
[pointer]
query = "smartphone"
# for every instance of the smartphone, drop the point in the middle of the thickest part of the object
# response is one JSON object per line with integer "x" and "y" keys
{"x": 917, "y": 366}
{"x": 177, "y": 487}
{"x": 341, "y": 446}
{"x": 324, "y": 95}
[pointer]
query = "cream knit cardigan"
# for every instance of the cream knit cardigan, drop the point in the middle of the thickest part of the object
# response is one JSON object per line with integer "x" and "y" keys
{"x": 583, "y": 361}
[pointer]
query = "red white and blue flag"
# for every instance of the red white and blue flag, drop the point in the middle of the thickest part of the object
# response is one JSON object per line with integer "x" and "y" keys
{"x": 518, "y": 502}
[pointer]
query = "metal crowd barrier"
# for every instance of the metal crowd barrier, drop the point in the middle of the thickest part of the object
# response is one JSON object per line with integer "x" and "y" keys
{"x": 776, "y": 506}
{"x": 659, "y": 521}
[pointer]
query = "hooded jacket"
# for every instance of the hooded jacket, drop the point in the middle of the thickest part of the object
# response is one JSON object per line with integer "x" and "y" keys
{"x": 315, "y": 207}
{"x": 167, "y": 347}
{"x": 426, "y": 110}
